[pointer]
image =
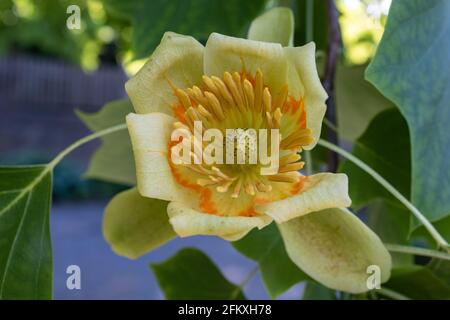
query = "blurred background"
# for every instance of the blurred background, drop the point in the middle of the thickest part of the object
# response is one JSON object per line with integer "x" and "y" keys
{"x": 48, "y": 70}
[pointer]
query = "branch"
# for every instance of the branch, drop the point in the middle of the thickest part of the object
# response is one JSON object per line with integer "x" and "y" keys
{"x": 334, "y": 41}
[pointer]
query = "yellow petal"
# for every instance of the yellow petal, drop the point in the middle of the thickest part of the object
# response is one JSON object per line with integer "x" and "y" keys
{"x": 223, "y": 53}
{"x": 302, "y": 60}
{"x": 262, "y": 28}
{"x": 335, "y": 248}
{"x": 177, "y": 60}
{"x": 150, "y": 136}
{"x": 134, "y": 225}
{"x": 188, "y": 222}
{"x": 319, "y": 191}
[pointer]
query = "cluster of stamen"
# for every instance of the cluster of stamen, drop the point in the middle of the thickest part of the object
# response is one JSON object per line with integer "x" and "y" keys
{"x": 239, "y": 100}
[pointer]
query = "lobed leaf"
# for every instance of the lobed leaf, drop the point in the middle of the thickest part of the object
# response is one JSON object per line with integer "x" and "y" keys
{"x": 113, "y": 161}
{"x": 26, "y": 265}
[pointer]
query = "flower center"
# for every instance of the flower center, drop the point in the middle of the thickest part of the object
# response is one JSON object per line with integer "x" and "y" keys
{"x": 240, "y": 107}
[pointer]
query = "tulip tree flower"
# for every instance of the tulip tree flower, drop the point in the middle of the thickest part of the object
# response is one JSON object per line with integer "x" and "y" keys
{"x": 240, "y": 83}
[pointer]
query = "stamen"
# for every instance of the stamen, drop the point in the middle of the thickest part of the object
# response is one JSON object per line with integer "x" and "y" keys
{"x": 215, "y": 104}
{"x": 267, "y": 100}
{"x": 210, "y": 85}
{"x": 237, "y": 189}
{"x": 285, "y": 177}
{"x": 239, "y": 84}
{"x": 250, "y": 188}
{"x": 223, "y": 90}
{"x": 204, "y": 112}
{"x": 205, "y": 182}
{"x": 234, "y": 90}
{"x": 269, "y": 119}
{"x": 277, "y": 117}
{"x": 184, "y": 98}
{"x": 291, "y": 167}
{"x": 261, "y": 187}
{"x": 220, "y": 173}
{"x": 248, "y": 88}
{"x": 215, "y": 179}
{"x": 293, "y": 157}
{"x": 258, "y": 90}
{"x": 303, "y": 141}
{"x": 224, "y": 187}
{"x": 295, "y": 136}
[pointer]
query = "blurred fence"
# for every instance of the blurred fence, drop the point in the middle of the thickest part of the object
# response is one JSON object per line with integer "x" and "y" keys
{"x": 38, "y": 97}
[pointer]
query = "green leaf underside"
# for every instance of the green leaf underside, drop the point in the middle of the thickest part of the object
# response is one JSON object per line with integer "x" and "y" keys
{"x": 190, "y": 274}
{"x": 25, "y": 246}
{"x": 198, "y": 18}
{"x": 418, "y": 282}
{"x": 384, "y": 146}
{"x": 113, "y": 161}
{"x": 358, "y": 101}
{"x": 266, "y": 247}
{"x": 411, "y": 68}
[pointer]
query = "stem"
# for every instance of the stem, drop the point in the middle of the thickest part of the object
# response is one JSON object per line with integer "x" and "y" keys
{"x": 334, "y": 40}
{"x": 417, "y": 251}
{"x": 82, "y": 141}
{"x": 330, "y": 125}
{"x": 434, "y": 233}
{"x": 391, "y": 294}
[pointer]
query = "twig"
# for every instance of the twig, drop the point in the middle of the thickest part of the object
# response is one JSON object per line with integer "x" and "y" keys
{"x": 334, "y": 41}
{"x": 391, "y": 294}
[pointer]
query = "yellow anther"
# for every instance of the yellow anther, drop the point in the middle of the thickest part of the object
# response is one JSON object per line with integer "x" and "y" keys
{"x": 215, "y": 104}
{"x": 267, "y": 100}
{"x": 249, "y": 94}
{"x": 258, "y": 90}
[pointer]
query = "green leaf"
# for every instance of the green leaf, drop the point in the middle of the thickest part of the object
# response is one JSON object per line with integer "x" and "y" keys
{"x": 417, "y": 282}
{"x": 384, "y": 146}
{"x": 390, "y": 221}
{"x": 113, "y": 161}
{"x": 190, "y": 274}
{"x": 198, "y": 18}
{"x": 358, "y": 101}
{"x": 263, "y": 27}
{"x": 122, "y": 9}
{"x": 316, "y": 291}
{"x": 266, "y": 247}
{"x": 25, "y": 246}
{"x": 134, "y": 225}
{"x": 411, "y": 68}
